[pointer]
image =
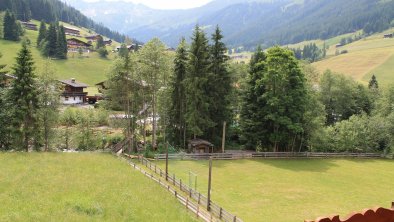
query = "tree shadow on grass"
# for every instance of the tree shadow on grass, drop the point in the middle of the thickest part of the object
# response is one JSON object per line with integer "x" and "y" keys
{"x": 311, "y": 165}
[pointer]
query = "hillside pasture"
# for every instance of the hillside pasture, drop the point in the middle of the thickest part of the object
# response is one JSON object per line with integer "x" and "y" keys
{"x": 365, "y": 57}
{"x": 292, "y": 190}
{"x": 89, "y": 68}
{"x": 80, "y": 187}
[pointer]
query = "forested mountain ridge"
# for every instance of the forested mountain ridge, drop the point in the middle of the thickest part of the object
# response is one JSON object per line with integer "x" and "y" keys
{"x": 247, "y": 23}
{"x": 55, "y": 10}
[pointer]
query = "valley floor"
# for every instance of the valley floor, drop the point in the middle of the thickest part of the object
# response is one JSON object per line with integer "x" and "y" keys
{"x": 292, "y": 190}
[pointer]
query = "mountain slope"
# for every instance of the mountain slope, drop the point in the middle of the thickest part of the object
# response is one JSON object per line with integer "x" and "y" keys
{"x": 55, "y": 10}
{"x": 247, "y": 23}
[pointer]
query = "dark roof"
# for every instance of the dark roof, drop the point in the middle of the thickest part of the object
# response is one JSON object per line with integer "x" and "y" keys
{"x": 80, "y": 41}
{"x": 196, "y": 142}
{"x": 74, "y": 83}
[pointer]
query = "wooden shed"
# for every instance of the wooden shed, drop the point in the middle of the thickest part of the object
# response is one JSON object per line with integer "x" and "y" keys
{"x": 200, "y": 146}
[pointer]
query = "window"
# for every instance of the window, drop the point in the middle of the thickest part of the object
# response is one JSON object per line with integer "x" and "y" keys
{"x": 66, "y": 98}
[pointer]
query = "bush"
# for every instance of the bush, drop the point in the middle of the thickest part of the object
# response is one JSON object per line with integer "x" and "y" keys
{"x": 103, "y": 52}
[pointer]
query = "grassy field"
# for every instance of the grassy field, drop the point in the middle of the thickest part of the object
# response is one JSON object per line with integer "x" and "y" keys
{"x": 80, "y": 187}
{"x": 293, "y": 190}
{"x": 372, "y": 55}
{"x": 89, "y": 69}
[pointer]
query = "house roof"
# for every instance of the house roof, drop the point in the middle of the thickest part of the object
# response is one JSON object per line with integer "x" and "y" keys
{"x": 10, "y": 76}
{"x": 69, "y": 28}
{"x": 197, "y": 142}
{"x": 80, "y": 41}
{"x": 73, "y": 83}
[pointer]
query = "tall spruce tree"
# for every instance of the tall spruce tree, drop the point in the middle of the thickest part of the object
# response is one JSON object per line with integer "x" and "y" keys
{"x": 11, "y": 29}
{"x": 253, "y": 129}
{"x": 42, "y": 33}
{"x": 2, "y": 73}
{"x": 24, "y": 95}
{"x": 198, "y": 111}
{"x": 178, "y": 96}
{"x": 61, "y": 43}
{"x": 219, "y": 86}
{"x": 51, "y": 41}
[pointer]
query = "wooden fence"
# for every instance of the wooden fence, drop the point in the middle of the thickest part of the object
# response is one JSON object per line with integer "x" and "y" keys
{"x": 195, "y": 208}
{"x": 267, "y": 155}
{"x": 202, "y": 200}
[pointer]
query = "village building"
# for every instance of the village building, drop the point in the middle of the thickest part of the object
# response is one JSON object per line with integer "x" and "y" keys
{"x": 200, "y": 146}
{"x": 93, "y": 38}
{"x": 72, "y": 31}
{"x": 131, "y": 48}
{"x": 388, "y": 36}
{"x": 7, "y": 80}
{"x": 74, "y": 44}
{"x": 108, "y": 42}
{"x": 29, "y": 26}
{"x": 73, "y": 92}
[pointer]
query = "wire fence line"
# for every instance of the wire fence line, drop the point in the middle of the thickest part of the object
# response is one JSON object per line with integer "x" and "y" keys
{"x": 195, "y": 208}
{"x": 264, "y": 155}
{"x": 201, "y": 200}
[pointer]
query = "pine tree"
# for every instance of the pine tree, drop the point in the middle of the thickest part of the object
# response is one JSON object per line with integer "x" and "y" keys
{"x": 253, "y": 129}
{"x": 11, "y": 29}
{"x": 24, "y": 96}
{"x": 51, "y": 41}
{"x": 373, "y": 83}
{"x": 197, "y": 113}
{"x": 61, "y": 43}
{"x": 219, "y": 86}
{"x": 178, "y": 96}
{"x": 42, "y": 33}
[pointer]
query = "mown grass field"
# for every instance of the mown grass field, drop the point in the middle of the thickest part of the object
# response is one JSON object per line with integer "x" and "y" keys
{"x": 89, "y": 69}
{"x": 80, "y": 187}
{"x": 293, "y": 190}
{"x": 372, "y": 55}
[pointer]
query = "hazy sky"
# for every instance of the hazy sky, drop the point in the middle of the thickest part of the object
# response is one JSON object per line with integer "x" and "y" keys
{"x": 166, "y": 4}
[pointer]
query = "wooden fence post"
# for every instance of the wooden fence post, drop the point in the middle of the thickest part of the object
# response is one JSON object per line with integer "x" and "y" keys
{"x": 235, "y": 219}
{"x": 173, "y": 177}
{"x": 166, "y": 161}
{"x": 209, "y": 185}
{"x": 180, "y": 184}
{"x": 220, "y": 213}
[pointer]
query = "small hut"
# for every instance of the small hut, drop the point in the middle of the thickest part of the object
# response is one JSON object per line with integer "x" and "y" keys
{"x": 200, "y": 146}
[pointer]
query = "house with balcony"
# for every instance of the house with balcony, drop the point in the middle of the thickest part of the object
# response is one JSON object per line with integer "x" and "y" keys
{"x": 73, "y": 92}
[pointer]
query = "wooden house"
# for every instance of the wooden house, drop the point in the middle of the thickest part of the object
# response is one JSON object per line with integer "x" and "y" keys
{"x": 73, "y": 92}
{"x": 72, "y": 31}
{"x": 388, "y": 36}
{"x": 93, "y": 38}
{"x": 200, "y": 146}
{"x": 29, "y": 26}
{"x": 131, "y": 48}
{"x": 74, "y": 44}
{"x": 6, "y": 80}
{"x": 108, "y": 42}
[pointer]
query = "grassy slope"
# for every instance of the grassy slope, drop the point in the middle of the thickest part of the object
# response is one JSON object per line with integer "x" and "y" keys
{"x": 80, "y": 187}
{"x": 293, "y": 190}
{"x": 372, "y": 55}
{"x": 90, "y": 69}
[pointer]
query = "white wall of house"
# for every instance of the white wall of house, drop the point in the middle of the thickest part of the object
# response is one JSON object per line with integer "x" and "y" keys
{"x": 71, "y": 100}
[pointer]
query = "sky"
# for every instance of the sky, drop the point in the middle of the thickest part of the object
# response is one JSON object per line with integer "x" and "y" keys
{"x": 166, "y": 4}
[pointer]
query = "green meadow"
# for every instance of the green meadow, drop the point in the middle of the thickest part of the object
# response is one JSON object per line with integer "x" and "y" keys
{"x": 292, "y": 190}
{"x": 80, "y": 187}
{"x": 89, "y": 68}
